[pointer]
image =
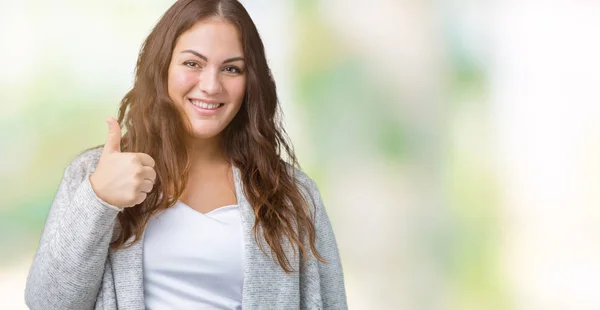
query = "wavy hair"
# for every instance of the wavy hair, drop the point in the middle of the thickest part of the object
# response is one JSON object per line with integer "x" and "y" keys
{"x": 254, "y": 141}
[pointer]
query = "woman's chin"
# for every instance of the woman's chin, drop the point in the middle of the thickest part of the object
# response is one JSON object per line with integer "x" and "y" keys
{"x": 205, "y": 133}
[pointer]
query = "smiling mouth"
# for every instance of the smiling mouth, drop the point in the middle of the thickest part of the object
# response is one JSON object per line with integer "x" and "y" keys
{"x": 205, "y": 105}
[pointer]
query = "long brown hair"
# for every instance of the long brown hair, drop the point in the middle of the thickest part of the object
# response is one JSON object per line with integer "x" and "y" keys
{"x": 254, "y": 141}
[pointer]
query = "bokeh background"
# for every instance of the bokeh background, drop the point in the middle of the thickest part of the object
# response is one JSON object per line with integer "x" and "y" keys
{"x": 456, "y": 143}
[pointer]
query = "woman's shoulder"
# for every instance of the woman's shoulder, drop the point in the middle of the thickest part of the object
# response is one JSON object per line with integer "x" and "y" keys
{"x": 302, "y": 179}
{"x": 84, "y": 163}
{"x": 308, "y": 187}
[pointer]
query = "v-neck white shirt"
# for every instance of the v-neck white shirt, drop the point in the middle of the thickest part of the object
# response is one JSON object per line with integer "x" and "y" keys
{"x": 193, "y": 260}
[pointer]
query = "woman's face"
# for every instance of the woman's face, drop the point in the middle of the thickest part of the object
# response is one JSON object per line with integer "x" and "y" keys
{"x": 207, "y": 77}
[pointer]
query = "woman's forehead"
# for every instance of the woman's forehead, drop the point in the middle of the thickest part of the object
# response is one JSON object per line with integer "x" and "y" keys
{"x": 211, "y": 36}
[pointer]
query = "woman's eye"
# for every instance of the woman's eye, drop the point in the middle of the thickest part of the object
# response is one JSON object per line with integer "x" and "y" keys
{"x": 192, "y": 64}
{"x": 233, "y": 69}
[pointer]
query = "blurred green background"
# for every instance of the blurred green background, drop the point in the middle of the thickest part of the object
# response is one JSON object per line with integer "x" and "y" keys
{"x": 456, "y": 143}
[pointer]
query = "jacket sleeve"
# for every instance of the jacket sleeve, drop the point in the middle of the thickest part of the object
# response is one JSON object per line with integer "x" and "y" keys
{"x": 69, "y": 263}
{"x": 333, "y": 293}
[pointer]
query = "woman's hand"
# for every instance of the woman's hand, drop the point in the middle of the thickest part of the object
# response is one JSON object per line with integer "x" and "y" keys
{"x": 122, "y": 179}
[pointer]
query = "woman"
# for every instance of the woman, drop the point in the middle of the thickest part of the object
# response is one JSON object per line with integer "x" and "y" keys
{"x": 193, "y": 207}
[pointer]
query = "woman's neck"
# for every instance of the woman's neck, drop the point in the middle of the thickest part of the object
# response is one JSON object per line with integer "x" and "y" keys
{"x": 206, "y": 152}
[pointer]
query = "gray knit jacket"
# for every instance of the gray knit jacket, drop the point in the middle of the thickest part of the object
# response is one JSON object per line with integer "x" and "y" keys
{"x": 75, "y": 269}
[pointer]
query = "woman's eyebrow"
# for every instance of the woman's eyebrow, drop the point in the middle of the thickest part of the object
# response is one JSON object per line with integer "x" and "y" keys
{"x": 206, "y": 59}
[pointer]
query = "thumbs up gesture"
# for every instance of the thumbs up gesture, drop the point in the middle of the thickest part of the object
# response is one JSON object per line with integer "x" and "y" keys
{"x": 122, "y": 179}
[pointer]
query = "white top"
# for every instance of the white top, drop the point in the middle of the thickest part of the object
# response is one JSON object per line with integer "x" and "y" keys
{"x": 193, "y": 260}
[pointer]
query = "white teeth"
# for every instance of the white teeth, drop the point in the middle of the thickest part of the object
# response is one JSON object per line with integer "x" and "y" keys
{"x": 205, "y": 105}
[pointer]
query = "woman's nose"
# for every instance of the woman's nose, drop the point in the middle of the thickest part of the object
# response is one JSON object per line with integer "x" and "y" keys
{"x": 210, "y": 82}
